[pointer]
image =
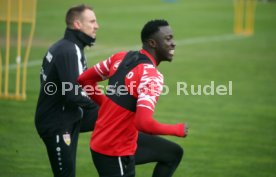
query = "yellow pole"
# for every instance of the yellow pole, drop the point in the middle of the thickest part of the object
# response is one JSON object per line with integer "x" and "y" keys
{"x": 7, "y": 49}
{"x": 28, "y": 52}
{"x": 249, "y": 25}
{"x": 18, "y": 58}
{"x": 238, "y": 19}
{"x": 0, "y": 73}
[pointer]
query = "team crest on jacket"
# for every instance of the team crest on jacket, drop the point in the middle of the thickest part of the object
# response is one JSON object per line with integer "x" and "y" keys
{"x": 67, "y": 139}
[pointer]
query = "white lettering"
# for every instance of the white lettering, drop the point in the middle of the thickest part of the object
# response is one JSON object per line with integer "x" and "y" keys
{"x": 182, "y": 86}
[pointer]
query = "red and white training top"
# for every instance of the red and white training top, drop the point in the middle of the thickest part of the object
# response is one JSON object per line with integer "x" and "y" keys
{"x": 116, "y": 129}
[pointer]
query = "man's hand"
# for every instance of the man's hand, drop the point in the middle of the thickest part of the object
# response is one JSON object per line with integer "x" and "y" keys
{"x": 186, "y": 128}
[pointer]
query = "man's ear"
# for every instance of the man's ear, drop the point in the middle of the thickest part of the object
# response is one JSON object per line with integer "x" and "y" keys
{"x": 77, "y": 24}
{"x": 152, "y": 43}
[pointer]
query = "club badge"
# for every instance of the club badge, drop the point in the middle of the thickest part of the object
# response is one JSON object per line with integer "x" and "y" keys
{"x": 67, "y": 138}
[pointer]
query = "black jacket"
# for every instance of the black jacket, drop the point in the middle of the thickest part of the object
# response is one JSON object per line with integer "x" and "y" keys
{"x": 61, "y": 100}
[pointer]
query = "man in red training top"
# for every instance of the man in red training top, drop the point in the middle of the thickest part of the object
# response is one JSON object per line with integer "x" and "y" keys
{"x": 134, "y": 87}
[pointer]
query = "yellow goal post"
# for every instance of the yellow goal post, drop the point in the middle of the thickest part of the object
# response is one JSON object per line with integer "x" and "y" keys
{"x": 15, "y": 14}
{"x": 244, "y": 17}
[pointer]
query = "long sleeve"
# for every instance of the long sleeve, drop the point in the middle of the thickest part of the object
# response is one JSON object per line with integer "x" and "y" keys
{"x": 94, "y": 92}
{"x": 68, "y": 66}
{"x": 144, "y": 122}
{"x": 88, "y": 81}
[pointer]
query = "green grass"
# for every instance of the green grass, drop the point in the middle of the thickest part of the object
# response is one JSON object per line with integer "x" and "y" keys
{"x": 231, "y": 136}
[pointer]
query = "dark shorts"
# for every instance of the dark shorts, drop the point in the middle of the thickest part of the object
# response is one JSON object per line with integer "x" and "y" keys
{"x": 114, "y": 166}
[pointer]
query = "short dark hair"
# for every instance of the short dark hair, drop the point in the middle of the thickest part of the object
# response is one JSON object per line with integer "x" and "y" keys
{"x": 74, "y": 13}
{"x": 151, "y": 28}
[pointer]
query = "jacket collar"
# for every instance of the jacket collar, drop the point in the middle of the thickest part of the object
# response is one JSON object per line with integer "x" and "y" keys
{"x": 78, "y": 37}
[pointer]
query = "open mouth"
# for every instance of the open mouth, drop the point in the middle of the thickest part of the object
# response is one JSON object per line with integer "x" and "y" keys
{"x": 171, "y": 52}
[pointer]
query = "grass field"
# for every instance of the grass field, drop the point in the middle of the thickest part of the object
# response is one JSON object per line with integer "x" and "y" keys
{"x": 230, "y": 136}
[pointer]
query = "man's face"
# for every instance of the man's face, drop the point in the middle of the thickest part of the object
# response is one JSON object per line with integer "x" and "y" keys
{"x": 164, "y": 44}
{"x": 88, "y": 23}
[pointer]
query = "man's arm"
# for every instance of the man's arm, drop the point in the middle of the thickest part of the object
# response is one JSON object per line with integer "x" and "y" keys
{"x": 145, "y": 122}
{"x": 88, "y": 80}
{"x": 149, "y": 89}
{"x": 67, "y": 66}
{"x": 99, "y": 72}
{"x": 92, "y": 90}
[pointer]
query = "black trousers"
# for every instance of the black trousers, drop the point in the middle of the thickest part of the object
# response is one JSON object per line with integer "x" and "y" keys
{"x": 61, "y": 149}
{"x": 62, "y": 146}
{"x": 150, "y": 149}
{"x": 166, "y": 154}
{"x": 113, "y": 166}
